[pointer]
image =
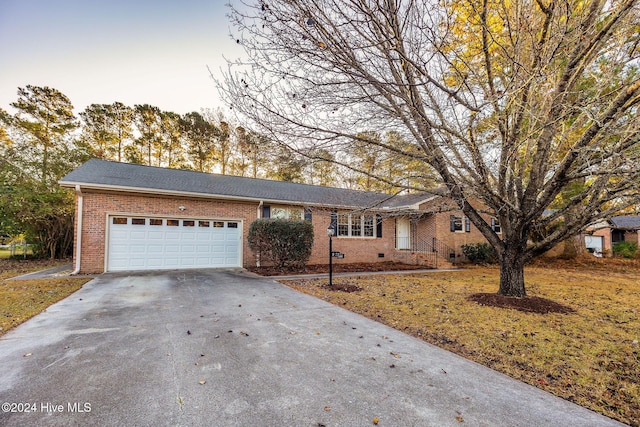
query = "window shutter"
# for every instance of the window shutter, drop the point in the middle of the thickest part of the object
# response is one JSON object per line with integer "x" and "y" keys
{"x": 493, "y": 224}
{"x": 307, "y": 214}
{"x": 467, "y": 224}
{"x": 334, "y": 221}
{"x": 266, "y": 211}
{"x": 452, "y": 223}
{"x": 378, "y": 225}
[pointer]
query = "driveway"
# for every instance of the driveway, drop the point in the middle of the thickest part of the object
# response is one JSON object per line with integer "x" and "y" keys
{"x": 222, "y": 348}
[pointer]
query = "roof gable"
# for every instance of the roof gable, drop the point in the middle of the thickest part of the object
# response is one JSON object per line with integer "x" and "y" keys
{"x": 109, "y": 175}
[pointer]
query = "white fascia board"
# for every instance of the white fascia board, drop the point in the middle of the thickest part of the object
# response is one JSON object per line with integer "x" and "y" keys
{"x": 158, "y": 192}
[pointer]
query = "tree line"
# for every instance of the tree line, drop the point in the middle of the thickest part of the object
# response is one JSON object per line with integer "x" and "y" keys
{"x": 43, "y": 140}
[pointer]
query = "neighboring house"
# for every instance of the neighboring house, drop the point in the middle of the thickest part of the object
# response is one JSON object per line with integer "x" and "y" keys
{"x": 601, "y": 237}
{"x": 134, "y": 217}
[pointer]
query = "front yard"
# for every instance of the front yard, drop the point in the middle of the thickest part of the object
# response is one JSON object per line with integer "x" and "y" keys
{"x": 590, "y": 357}
{"x": 22, "y": 299}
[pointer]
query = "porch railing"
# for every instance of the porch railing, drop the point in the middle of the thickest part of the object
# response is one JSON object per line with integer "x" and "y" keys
{"x": 438, "y": 248}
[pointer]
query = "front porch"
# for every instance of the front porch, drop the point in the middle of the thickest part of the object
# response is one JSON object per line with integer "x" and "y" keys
{"x": 416, "y": 243}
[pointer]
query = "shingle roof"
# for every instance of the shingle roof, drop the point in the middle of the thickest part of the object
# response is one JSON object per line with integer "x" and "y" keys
{"x": 626, "y": 222}
{"x": 102, "y": 174}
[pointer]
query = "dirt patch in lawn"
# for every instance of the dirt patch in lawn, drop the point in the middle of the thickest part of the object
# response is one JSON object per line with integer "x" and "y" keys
{"x": 344, "y": 286}
{"x": 337, "y": 268}
{"x": 527, "y": 305}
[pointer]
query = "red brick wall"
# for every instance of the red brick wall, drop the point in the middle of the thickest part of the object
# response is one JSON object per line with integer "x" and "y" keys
{"x": 98, "y": 205}
{"x": 355, "y": 249}
{"x": 456, "y": 239}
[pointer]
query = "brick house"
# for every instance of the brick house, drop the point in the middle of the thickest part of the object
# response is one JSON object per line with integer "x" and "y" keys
{"x": 134, "y": 217}
{"x": 601, "y": 237}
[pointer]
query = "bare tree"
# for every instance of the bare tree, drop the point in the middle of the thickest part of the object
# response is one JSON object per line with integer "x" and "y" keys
{"x": 512, "y": 103}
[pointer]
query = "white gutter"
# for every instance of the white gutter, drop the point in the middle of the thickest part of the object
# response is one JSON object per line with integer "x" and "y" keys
{"x": 156, "y": 192}
{"x": 78, "y": 231}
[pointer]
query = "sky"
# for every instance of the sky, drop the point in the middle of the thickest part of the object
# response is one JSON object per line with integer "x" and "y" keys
{"x": 102, "y": 51}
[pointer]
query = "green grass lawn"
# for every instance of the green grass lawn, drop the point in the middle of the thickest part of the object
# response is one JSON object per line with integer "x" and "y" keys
{"x": 5, "y": 253}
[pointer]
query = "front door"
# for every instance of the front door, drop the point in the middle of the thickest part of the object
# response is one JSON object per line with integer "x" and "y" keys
{"x": 403, "y": 233}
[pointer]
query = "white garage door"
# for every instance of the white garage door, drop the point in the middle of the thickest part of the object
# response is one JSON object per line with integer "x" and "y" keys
{"x": 594, "y": 244}
{"x": 139, "y": 243}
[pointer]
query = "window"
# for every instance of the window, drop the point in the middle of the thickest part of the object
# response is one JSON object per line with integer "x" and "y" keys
{"x": 357, "y": 225}
{"x": 343, "y": 225}
{"x": 120, "y": 221}
{"x": 173, "y": 222}
{"x": 203, "y": 223}
{"x": 495, "y": 225}
{"x": 456, "y": 224}
{"x": 138, "y": 221}
{"x": 155, "y": 222}
{"x": 232, "y": 225}
{"x": 218, "y": 224}
{"x": 287, "y": 212}
{"x": 367, "y": 226}
{"x": 188, "y": 223}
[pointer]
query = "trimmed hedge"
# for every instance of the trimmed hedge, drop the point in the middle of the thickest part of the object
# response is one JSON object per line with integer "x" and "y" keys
{"x": 285, "y": 243}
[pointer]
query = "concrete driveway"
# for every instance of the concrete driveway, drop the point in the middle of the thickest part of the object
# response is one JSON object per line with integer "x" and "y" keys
{"x": 221, "y": 348}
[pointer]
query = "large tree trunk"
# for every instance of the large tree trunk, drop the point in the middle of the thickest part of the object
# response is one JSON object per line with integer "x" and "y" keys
{"x": 512, "y": 274}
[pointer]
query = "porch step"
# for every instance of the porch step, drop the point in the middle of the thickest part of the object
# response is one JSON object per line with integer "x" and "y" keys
{"x": 427, "y": 259}
{"x": 431, "y": 259}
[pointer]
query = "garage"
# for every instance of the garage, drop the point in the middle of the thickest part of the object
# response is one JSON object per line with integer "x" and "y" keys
{"x": 594, "y": 244}
{"x": 152, "y": 243}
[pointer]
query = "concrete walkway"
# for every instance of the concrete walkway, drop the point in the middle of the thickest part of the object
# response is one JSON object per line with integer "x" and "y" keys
{"x": 355, "y": 273}
{"x": 221, "y": 348}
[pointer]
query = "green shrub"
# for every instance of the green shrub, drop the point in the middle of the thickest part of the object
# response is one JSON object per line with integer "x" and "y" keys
{"x": 285, "y": 243}
{"x": 479, "y": 253}
{"x": 626, "y": 249}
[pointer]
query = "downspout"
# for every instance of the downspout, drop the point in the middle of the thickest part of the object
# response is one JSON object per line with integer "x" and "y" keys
{"x": 78, "y": 231}
{"x": 259, "y": 216}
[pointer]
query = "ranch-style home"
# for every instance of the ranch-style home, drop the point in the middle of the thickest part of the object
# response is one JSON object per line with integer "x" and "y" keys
{"x": 601, "y": 237}
{"x": 134, "y": 217}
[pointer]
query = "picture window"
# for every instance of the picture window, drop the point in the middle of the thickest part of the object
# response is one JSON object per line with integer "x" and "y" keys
{"x": 356, "y": 225}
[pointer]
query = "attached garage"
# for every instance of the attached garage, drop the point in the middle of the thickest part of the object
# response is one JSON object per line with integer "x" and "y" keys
{"x": 594, "y": 244}
{"x": 152, "y": 243}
